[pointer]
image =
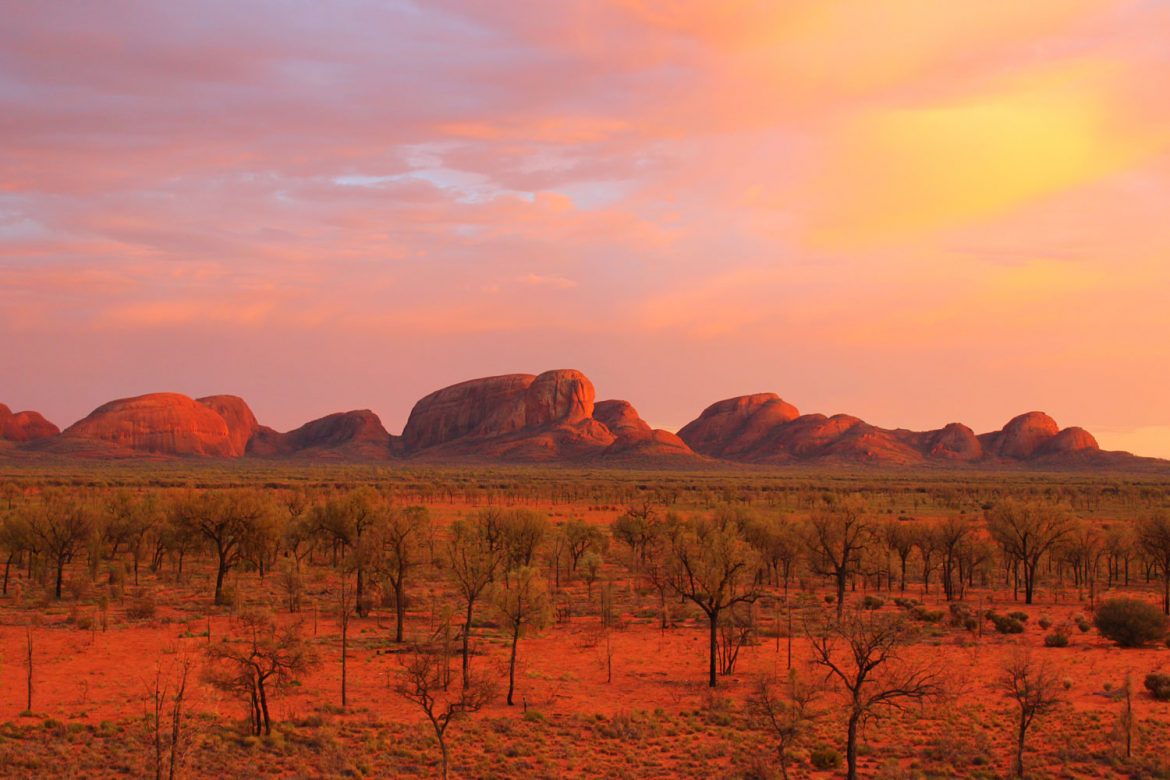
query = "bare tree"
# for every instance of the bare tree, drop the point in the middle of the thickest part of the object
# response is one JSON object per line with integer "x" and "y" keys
{"x": 1035, "y": 690}
{"x": 262, "y": 661}
{"x": 524, "y": 606}
{"x": 837, "y": 537}
{"x": 1026, "y": 531}
{"x": 786, "y": 711}
{"x": 166, "y": 738}
{"x": 421, "y": 683}
{"x": 862, "y": 652}
{"x": 714, "y": 568}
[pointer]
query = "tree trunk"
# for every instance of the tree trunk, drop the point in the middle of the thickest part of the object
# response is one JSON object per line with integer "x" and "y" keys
{"x": 1020, "y": 746}
{"x": 851, "y": 746}
{"x": 264, "y": 707}
{"x": 443, "y": 751}
{"x": 714, "y": 618}
{"x": 220, "y": 571}
{"x": 512, "y": 661}
{"x": 841, "y": 576}
{"x": 399, "y": 608}
{"x": 60, "y": 575}
{"x": 467, "y": 646}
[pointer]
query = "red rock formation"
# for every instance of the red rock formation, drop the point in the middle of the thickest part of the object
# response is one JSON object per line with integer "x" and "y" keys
{"x": 1023, "y": 436}
{"x": 498, "y": 406}
{"x": 240, "y": 421}
{"x": 954, "y": 442}
{"x": 636, "y": 440}
{"x": 357, "y": 434}
{"x": 24, "y": 426}
{"x": 735, "y": 427}
{"x": 620, "y": 417}
{"x": 1070, "y": 440}
{"x": 163, "y": 423}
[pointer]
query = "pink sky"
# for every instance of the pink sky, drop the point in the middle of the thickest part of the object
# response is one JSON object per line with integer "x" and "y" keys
{"x": 912, "y": 211}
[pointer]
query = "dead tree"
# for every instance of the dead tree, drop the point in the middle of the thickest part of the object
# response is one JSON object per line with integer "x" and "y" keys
{"x": 1035, "y": 690}
{"x": 862, "y": 652}
{"x": 421, "y": 683}
{"x": 786, "y": 712}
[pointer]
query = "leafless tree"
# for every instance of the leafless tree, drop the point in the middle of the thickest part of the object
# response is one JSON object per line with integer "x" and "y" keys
{"x": 786, "y": 710}
{"x": 259, "y": 662}
{"x": 862, "y": 652}
{"x": 1035, "y": 690}
{"x": 167, "y": 738}
{"x": 421, "y": 683}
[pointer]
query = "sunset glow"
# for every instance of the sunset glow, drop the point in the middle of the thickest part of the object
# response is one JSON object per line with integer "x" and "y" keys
{"x": 911, "y": 211}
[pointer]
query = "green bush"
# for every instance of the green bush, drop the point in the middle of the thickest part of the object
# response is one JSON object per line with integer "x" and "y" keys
{"x": 873, "y": 602}
{"x": 1159, "y": 686}
{"x": 1005, "y": 624}
{"x": 905, "y": 603}
{"x": 1020, "y": 616}
{"x": 1057, "y": 638}
{"x": 926, "y": 615}
{"x": 1130, "y": 622}
{"x": 825, "y": 758}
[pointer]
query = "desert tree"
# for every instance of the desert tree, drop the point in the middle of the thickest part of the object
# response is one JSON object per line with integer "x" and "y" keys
{"x": 899, "y": 539}
{"x": 60, "y": 526}
{"x": 403, "y": 541}
{"x": 1082, "y": 550}
{"x": 786, "y": 711}
{"x": 713, "y": 567}
{"x": 1120, "y": 543}
{"x": 523, "y": 606}
{"x": 259, "y": 662}
{"x": 1026, "y": 531}
{"x": 580, "y": 538}
{"x": 837, "y": 536}
{"x": 926, "y": 542}
{"x": 15, "y": 539}
{"x": 1035, "y": 690}
{"x": 1153, "y": 535}
{"x": 775, "y": 540}
{"x": 951, "y": 534}
{"x": 634, "y": 529}
{"x": 863, "y": 652}
{"x": 421, "y": 683}
{"x": 521, "y": 533}
{"x": 227, "y": 521}
{"x": 471, "y": 564}
{"x": 165, "y": 729}
{"x": 351, "y": 523}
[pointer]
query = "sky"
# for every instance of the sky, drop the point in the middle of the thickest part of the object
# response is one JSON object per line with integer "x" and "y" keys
{"x": 911, "y": 211}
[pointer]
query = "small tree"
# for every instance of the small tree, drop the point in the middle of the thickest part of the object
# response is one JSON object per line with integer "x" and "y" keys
{"x": 1035, "y": 691}
{"x": 1154, "y": 538}
{"x": 786, "y": 712}
{"x": 166, "y": 737}
{"x": 421, "y": 683}
{"x": 524, "y": 606}
{"x": 836, "y": 538}
{"x": 1027, "y": 531}
{"x": 1130, "y": 622}
{"x": 862, "y": 651}
{"x": 228, "y": 521}
{"x": 261, "y": 661}
{"x": 60, "y": 527}
{"x": 472, "y": 563}
{"x": 714, "y": 568}
{"x": 404, "y": 537}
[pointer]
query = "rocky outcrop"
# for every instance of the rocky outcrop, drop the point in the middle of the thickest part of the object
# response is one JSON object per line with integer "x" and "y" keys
{"x": 762, "y": 428}
{"x": 24, "y": 426}
{"x": 497, "y": 406}
{"x": 356, "y": 435}
{"x": 1022, "y": 437}
{"x": 737, "y": 427}
{"x": 241, "y": 423}
{"x": 160, "y": 423}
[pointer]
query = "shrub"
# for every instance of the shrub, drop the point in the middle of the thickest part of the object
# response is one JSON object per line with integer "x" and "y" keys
{"x": 873, "y": 602}
{"x": 1082, "y": 624}
{"x": 141, "y": 607}
{"x": 905, "y": 603}
{"x": 825, "y": 758}
{"x": 1130, "y": 622}
{"x": 1159, "y": 686}
{"x": 926, "y": 615}
{"x": 1005, "y": 624}
{"x": 1020, "y": 616}
{"x": 1057, "y": 638}
{"x": 1045, "y": 623}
